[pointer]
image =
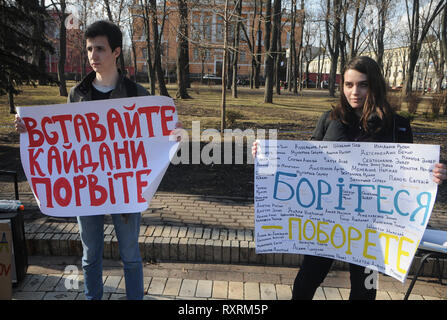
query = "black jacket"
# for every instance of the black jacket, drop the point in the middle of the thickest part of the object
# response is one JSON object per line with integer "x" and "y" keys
{"x": 335, "y": 130}
{"x": 83, "y": 90}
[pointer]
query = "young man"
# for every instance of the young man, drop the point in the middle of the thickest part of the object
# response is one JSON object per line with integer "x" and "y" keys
{"x": 104, "y": 43}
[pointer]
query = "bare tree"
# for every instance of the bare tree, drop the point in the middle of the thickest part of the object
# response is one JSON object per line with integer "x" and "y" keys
{"x": 146, "y": 16}
{"x": 62, "y": 14}
{"x": 279, "y": 55}
{"x": 238, "y": 12}
{"x": 321, "y": 52}
{"x": 85, "y": 7}
{"x": 157, "y": 36}
{"x": 352, "y": 29}
{"x": 200, "y": 35}
{"x": 38, "y": 53}
{"x": 133, "y": 47}
{"x": 298, "y": 57}
{"x": 251, "y": 42}
{"x": 383, "y": 8}
{"x": 436, "y": 53}
{"x": 378, "y": 19}
{"x": 268, "y": 60}
{"x": 333, "y": 38}
{"x": 150, "y": 20}
{"x": 309, "y": 38}
{"x": 255, "y": 43}
{"x": 226, "y": 18}
{"x": 444, "y": 32}
{"x": 271, "y": 46}
{"x": 353, "y": 43}
{"x": 183, "y": 51}
{"x": 291, "y": 78}
{"x": 444, "y": 45}
{"x": 344, "y": 33}
{"x": 419, "y": 22}
{"x": 257, "y": 70}
{"x": 118, "y": 8}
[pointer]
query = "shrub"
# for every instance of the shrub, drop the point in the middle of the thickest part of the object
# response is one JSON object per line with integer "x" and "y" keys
{"x": 413, "y": 101}
{"x": 444, "y": 101}
{"x": 437, "y": 102}
{"x": 406, "y": 114}
{"x": 231, "y": 117}
{"x": 395, "y": 101}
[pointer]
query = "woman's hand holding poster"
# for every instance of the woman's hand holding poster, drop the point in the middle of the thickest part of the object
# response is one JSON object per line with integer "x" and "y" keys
{"x": 97, "y": 157}
{"x": 362, "y": 203}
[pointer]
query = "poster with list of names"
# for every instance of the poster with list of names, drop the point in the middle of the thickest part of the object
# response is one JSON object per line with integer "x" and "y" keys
{"x": 362, "y": 203}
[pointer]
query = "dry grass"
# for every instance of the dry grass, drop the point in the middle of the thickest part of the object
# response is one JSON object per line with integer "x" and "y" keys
{"x": 288, "y": 112}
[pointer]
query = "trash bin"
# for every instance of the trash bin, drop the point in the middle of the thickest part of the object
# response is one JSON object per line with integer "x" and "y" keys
{"x": 19, "y": 255}
{"x": 11, "y": 213}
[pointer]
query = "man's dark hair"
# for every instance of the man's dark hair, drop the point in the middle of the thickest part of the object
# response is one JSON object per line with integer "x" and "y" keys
{"x": 108, "y": 29}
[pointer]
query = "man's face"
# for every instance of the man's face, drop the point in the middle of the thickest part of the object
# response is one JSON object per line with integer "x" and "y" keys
{"x": 100, "y": 55}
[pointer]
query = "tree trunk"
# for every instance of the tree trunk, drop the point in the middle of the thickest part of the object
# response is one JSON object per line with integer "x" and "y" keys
{"x": 334, "y": 48}
{"x": 147, "y": 28}
{"x": 417, "y": 36}
{"x": 258, "y": 59}
{"x": 202, "y": 71}
{"x": 278, "y": 59}
{"x": 150, "y": 69}
{"x": 257, "y": 71}
{"x": 182, "y": 52}
{"x": 224, "y": 67}
{"x": 412, "y": 61}
{"x": 229, "y": 72}
{"x": 134, "y": 51}
{"x": 42, "y": 59}
{"x": 383, "y": 15}
{"x": 236, "y": 46}
{"x": 444, "y": 32}
{"x": 297, "y": 72}
{"x": 444, "y": 47}
{"x": 157, "y": 51}
{"x": 62, "y": 51}
{"x": 292, "y": 49}
{"x": 269, "y": 58}
{"x": 253, "y": 45}
{"x": 10, "y": 90}
{"x": 352, "y": 50}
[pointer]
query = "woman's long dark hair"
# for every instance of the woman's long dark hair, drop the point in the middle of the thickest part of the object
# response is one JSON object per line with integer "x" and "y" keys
{"x": 376, "y": 107}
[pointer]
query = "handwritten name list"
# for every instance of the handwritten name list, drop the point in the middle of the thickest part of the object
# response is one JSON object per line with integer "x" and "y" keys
{"x": 362, "y": 203}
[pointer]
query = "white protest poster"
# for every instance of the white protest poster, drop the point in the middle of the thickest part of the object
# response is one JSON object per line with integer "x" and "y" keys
{"x": 362, "y": 203}
{"x": 97, "y": 157}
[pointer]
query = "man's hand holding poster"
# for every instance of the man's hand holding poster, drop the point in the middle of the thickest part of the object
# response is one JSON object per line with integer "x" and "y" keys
{"x": 97, "y": 157}
{"x": 362, "y": 203}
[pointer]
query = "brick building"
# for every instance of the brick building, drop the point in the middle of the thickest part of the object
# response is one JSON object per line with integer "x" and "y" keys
{"x": 206, "y": 35}
{"x": 74, "y": 42}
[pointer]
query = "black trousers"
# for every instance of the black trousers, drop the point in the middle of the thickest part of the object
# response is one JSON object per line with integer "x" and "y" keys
{"x": 313, "y": 271}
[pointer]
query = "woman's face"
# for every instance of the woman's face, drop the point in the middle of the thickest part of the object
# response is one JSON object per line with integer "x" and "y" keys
{"x": 355, "y": 88}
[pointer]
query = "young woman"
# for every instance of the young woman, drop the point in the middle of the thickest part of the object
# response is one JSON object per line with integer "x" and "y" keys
{"x": 362, "y": 114}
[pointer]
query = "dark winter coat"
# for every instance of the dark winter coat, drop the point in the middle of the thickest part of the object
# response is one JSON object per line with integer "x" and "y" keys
{"x": 335, "y": 130}
{"x": 83, "y": 91}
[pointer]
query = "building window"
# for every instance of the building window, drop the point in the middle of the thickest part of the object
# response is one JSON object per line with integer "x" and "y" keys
{"x": 220, "y": 28}
{"x": 195, "y": 54}
{"x": 207, "y": 31}
{"x": 242, "y": 56}
{"x": 207, "y": 55}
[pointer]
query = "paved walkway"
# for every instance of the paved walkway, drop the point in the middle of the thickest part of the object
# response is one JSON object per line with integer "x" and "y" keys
{"x": 48, "y": 279}
{"x": 195, "y": 247}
